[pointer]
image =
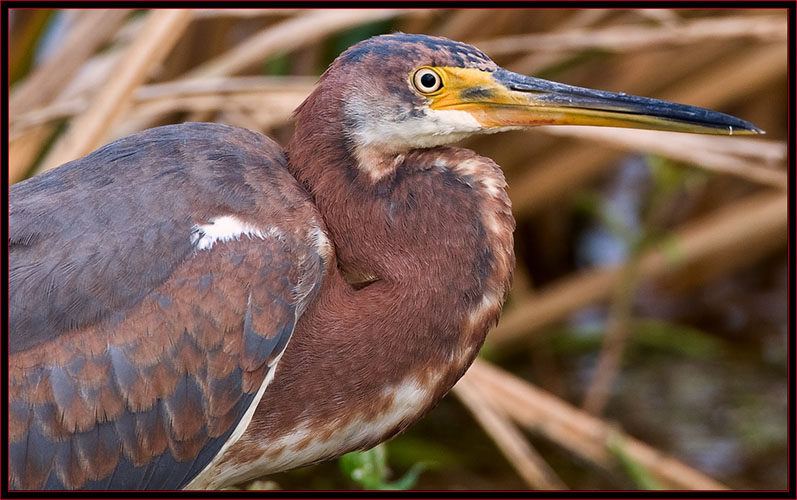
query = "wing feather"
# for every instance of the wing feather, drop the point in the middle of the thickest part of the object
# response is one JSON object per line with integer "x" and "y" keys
{"x": 134, "y": 355}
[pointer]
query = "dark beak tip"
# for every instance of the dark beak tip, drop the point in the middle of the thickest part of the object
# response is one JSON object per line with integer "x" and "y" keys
{"x": 753, "y": 130}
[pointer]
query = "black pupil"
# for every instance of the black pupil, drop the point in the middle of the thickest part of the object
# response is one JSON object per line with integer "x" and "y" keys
{"x": 428, "y": 80}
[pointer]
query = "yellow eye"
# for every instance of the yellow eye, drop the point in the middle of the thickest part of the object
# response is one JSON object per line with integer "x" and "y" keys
{"x": 427, "y": 81}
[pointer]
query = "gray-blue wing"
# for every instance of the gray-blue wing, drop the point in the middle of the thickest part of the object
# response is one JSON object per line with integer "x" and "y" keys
{"x": 153, "y": 286}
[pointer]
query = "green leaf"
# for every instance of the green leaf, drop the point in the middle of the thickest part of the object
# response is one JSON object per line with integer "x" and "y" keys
{"x": 366, "y": 468}
{"x": 672, "y": 249}
{"x": 409, "y": 479}
{"x": 278, "y": 65}
{"x": 369, "y": 470}
{"x": 680, "y": 339}
{"x": 635, "y": 470}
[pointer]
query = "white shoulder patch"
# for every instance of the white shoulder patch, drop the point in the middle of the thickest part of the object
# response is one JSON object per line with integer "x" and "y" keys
{"x": 225, "y": 228}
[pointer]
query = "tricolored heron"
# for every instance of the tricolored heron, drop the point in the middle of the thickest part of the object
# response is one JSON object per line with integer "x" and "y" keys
{"x": 193, "y": 306}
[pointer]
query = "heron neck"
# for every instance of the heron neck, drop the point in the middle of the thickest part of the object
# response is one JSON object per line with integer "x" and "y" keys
{"x": 349, "y": 202}
{"x": 440, "y": 211}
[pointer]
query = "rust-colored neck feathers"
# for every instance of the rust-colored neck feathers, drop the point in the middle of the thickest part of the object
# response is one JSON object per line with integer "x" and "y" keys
{"x": 433, "y": 235}
{"x": 423, "y": 259}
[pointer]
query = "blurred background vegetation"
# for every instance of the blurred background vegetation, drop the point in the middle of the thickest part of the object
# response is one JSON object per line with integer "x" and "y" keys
{"x": 644, "y": 343}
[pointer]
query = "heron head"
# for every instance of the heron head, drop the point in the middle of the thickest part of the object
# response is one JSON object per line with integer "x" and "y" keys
{"x": 401, "y": 92}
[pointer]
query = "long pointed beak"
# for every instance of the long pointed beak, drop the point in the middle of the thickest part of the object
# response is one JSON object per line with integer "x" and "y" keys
{"x": 511, "y": 99}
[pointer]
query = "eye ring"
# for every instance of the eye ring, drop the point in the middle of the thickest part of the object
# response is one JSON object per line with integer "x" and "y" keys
{"x": 427, "y": 81}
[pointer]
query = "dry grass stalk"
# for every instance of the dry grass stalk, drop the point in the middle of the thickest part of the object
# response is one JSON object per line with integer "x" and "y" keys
{"x": 225, "y": 85}
{"x": 737, "y": 156}
{"x": 577, "y": 431}
{"x": 618, "y": 331}
{"x": 461, "y": 24}
{"x": 269, "y": 101}
{"x": 562, "y": 171}
{"x": 24, "y": 150}
{"x": 238, "y": 118}
{"x": 760, "y": 218}
{"x": 634, "y": 38}
{"x": 57, "y": 75}
{"x": 243, "y": 13}
{"x": 94, "y": 72}
{"x": 92, "y": 29}
{"x": 181, "y": 96}
{"x": 265, "y": 110}
{"x": 733, "y": 79}
{"x": 524, "y": 458}
{"x": 280, "y": 105}
{"x": 288, "y": 35}
{"x": 86, "y": 132}
{"x": 583, "y": 17}
{"x": 39, "y": 116}
{"x": 25, "y": 30}
{"x": 664, "y": 17}
{"x": 532, "y": 62}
